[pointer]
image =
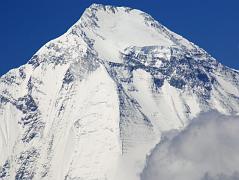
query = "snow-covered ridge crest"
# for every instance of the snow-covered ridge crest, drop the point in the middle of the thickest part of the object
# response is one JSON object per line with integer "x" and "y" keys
{"x": 92, "y": 103}
{"x": 120, "y": 27}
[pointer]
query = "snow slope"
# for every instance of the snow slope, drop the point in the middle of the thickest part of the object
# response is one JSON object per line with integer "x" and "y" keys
{"x": 92, "y": 103}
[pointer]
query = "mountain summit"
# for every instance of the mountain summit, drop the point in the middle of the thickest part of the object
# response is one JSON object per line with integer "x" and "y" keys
{"x": 93, "y": 103}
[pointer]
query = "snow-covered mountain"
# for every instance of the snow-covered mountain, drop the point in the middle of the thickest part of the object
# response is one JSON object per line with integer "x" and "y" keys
{"x": 93, "y": 103}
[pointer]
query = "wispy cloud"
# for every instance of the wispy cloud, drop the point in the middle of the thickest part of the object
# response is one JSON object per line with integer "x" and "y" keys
{"x": 206, "y": 150}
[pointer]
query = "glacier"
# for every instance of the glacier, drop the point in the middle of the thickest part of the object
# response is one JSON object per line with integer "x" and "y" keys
{"x": 93, "y": 103}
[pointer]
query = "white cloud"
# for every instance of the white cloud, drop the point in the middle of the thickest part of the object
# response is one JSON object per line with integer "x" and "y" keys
{"x": 208, "y": 149}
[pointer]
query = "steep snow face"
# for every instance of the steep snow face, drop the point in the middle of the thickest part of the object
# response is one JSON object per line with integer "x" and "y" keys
{"x": 92, "y": 103}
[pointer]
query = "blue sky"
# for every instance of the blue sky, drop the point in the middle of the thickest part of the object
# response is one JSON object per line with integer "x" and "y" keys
{"x": 26, "y": 25}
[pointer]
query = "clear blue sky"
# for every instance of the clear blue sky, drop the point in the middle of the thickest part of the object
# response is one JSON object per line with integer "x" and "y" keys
{"x": 26, "y": 25}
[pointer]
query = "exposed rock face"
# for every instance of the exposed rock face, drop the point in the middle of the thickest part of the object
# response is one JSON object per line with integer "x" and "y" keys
{"x": 92, "y": 103}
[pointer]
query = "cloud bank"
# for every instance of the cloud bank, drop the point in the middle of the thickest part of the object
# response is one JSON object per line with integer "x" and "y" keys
{"x": 208, "y": 149}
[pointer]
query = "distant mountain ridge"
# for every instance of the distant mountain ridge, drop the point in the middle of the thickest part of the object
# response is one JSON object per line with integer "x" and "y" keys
{"x": 93, "y": 103}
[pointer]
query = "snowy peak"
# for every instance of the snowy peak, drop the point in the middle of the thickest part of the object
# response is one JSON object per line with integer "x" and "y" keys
{"x": 117, "y": 28}
{"x": 110, "y": 31}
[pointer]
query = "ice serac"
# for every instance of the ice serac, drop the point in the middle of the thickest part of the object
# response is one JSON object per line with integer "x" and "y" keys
{"x": 92, "y": 103}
